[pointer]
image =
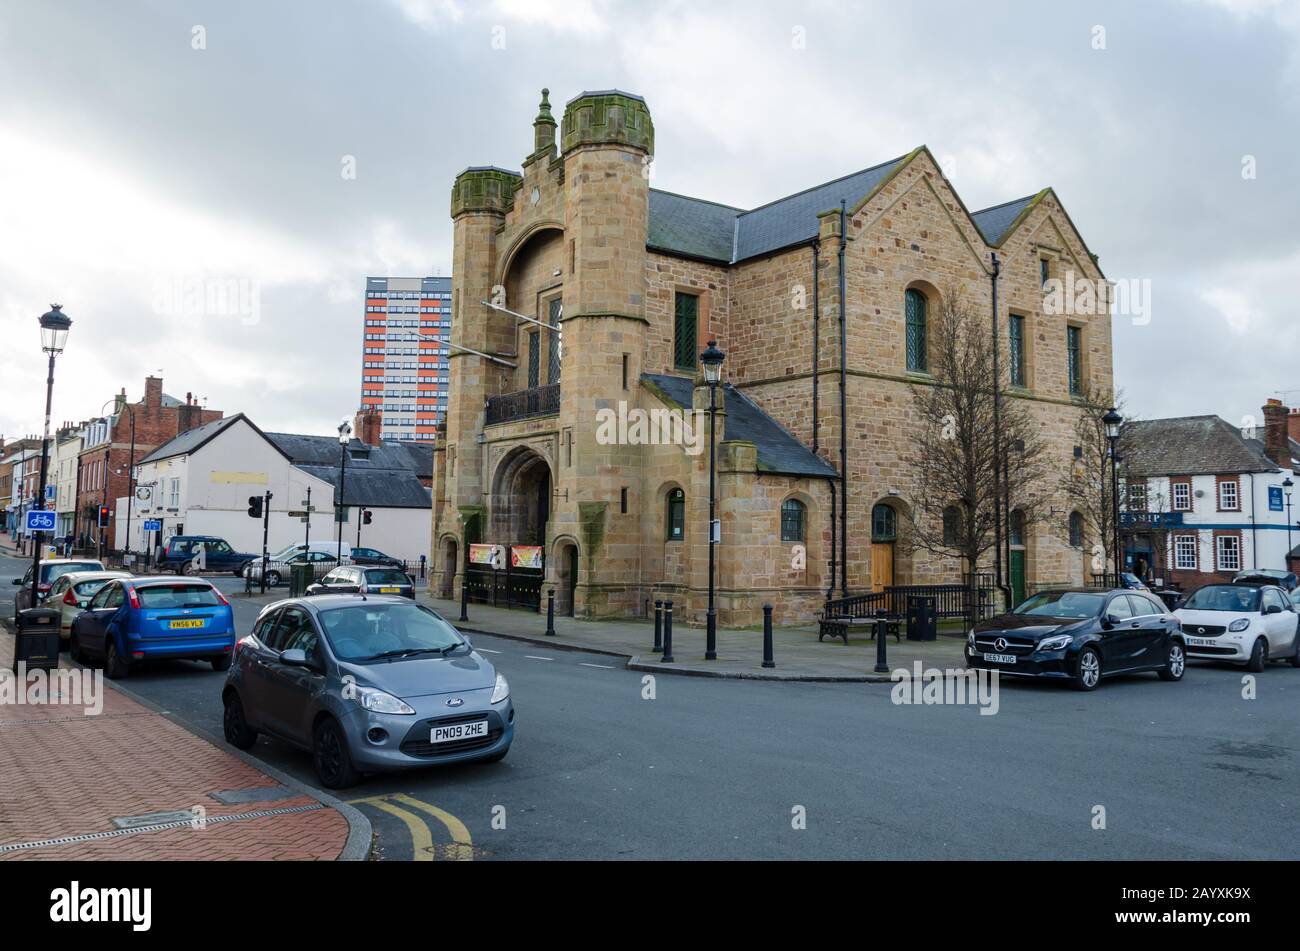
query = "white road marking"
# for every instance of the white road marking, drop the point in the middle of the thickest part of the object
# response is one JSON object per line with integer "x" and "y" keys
{"x": 601, "y": 666}
{"x": 534, "y": 657}
{"x": 485, "y": 650}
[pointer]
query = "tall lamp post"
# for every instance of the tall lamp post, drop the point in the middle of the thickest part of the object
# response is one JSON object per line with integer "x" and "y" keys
{"x": 54, "y": 334}
{"x": 1286, "y": 561}
{"x": 345, "y": 437}
{"x": 711, "y": 361}
{"x": 1112, "y": 421}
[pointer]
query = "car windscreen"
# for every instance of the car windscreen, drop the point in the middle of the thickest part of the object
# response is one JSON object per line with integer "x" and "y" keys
{"x": 1069, "y": 604}
{"x": 386, "y": 576}
{"x": 51, "y": 572}
{"x": 162, "y": 596}
{"x": 86, "y": 589}
{"x": 1224, "y": 597}
{"x": 368, "y": 631}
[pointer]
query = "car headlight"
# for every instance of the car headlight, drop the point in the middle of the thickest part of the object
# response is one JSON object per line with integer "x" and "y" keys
{"x": 1055, "y": 643}
{"x": 501, "y": 690}
{"x": 970, "y": 637}
{"x": 376, "y": 701}
{"x": 1240, "y": 624}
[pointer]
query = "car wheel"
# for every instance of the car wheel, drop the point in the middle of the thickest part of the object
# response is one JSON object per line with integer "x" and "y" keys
{"x": 1177, "y": 663}
{"x": 272, "y": 579}
{"x": 1088, "y": 673}
{"x": 331, "y": 758}
{"x": 221, "y": 663}
{"x": 1258, "y": 656}
{"x": 115, "y": 666}
{"x": 238, "y": 733}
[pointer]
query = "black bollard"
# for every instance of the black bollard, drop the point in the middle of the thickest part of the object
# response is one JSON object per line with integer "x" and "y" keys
{"x": 668, "y": 634}
{"x": 464, "y": 599}
{"x": 550, "y": 613}
{"x": 882, "y": 627}
{"x": 767, "y": 636}
{"x": 659, "y": 629}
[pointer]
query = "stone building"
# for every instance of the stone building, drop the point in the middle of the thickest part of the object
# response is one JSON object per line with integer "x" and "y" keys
{"x": 638, "y": 280}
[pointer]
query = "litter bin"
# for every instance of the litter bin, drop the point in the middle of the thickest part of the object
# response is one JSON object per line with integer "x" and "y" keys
{"x": 37, "y": 641}
{"x": 922, "y": 625}
{"x": 301, "y": 577}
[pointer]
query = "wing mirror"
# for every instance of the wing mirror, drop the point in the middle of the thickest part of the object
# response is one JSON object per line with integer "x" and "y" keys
{"x": 1110, "y": 620}
{"x": 1272, "y": 609}
{"x": 18, "y": 581}
{"x": 295, "y": 658}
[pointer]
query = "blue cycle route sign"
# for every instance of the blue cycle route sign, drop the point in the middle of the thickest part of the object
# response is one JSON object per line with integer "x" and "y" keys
{"x": 152, "y": 525}
{"x": 40, "y": 520}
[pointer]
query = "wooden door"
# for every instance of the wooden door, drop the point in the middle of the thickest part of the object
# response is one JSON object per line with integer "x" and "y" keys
{"x": 882, "y": 565}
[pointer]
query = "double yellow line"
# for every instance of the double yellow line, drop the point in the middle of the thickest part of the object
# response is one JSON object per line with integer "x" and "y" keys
{"x": 462, "y": 849}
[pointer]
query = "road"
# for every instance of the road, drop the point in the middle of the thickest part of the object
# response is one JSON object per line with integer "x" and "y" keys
{"x": 721, "y": 768}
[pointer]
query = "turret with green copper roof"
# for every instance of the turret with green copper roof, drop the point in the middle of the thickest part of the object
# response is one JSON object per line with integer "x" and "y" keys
{"x": 607, "y": 117}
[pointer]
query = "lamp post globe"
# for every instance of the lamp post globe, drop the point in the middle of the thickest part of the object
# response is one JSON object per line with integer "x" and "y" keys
{"x": 55, "y": 325}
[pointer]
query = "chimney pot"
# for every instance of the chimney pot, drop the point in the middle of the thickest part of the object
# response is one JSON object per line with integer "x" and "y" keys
{"x": 1275, "y": 433}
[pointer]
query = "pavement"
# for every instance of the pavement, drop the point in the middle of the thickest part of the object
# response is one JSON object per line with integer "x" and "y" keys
{"x": 91, "y": 771}
{"x": 797, "y": 653}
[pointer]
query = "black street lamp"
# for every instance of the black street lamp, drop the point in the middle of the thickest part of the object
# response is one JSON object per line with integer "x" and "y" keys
{"x": 1112, "y": 421}
{"x": 1287, "y": 484}
{"x": 345, "y": 437}
{"x": 54, "y": 334}
{"x": 711, "y": 361}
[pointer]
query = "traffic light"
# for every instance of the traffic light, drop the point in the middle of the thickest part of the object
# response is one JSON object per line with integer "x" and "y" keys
{"x": 254, "y": 506}
{"x": 365, "y": 517}
{"x": 103, "y": 516}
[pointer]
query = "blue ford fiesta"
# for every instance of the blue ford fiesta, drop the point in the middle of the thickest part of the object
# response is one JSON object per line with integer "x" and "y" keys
{"x": 131, "y": 620}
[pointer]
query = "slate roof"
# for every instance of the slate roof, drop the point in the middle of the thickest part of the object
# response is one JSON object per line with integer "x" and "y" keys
{"x": 706, "y": 229}
{"x": 778, "y": 451}
{"x": 192, "y": 439}
{"x": 324, "y": 451}
{"x": 994, "y": 222}
{"x": 380, "y": 488}
{"x": 1191, "y": 445}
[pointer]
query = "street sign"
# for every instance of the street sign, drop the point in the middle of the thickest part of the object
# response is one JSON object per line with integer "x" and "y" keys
{"x": 153, "y": 525}
{"x": 40, "y": 520}
{"x": 51, "y": 492}
{"x": 1275, "y": 498}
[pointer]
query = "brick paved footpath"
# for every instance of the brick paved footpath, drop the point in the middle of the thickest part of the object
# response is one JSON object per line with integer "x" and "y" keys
{"x": 64, "y": 773}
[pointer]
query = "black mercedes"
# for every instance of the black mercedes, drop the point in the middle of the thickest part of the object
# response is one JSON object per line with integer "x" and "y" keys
{"x": 1081, "y": 635}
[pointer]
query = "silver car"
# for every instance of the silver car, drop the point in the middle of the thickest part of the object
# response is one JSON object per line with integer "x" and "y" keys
{"x": 368, "y": 684}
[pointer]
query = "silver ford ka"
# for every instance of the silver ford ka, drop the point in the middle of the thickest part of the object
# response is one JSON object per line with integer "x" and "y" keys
{"x": 367, "y": 683}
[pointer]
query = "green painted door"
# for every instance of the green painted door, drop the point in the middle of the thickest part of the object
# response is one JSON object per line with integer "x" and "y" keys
{"x": 1017, "y": 575}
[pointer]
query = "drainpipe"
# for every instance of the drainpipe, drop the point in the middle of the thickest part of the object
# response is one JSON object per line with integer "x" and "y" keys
{"x": 817, "y": 339}
{"x": 844, "y": 412}
{"x": 830, "y": 587}
{"x": 1254, "y": 532}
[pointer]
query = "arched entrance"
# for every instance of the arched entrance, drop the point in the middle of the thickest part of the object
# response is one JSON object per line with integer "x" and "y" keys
{"x": 447, "y": 580}
{"x": 566, "y": 577}
{"x": 521, "y": 499}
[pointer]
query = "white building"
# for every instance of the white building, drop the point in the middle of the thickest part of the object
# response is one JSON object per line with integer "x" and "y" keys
{"x": 1203, "y": 500}
{"x": 200, "y": 483}
{"x": 67, "y": 446}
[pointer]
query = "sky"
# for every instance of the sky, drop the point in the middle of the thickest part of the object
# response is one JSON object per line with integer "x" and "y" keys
{"x": 205, "y": 186}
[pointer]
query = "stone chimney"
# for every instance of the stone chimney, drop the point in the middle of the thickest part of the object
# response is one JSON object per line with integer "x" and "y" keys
{"x": 1275, "y": 434}
{"x": 367, "y": 426}
{"x": 153, "y": 392}
{"x": 119, "y": 401}
{"x": 187, "y": 416}
{"x": 1293, "y": 424}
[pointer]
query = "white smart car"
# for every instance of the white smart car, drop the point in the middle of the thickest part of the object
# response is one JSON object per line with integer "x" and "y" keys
{"x": 1240, "y": 623}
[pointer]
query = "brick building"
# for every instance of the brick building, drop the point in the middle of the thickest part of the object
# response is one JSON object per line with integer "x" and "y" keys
{"x": 106, "y": 452}
{"x": 629, "y": 283}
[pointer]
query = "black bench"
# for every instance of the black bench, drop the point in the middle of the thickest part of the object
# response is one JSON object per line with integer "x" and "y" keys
{"x": 840, "y": 627}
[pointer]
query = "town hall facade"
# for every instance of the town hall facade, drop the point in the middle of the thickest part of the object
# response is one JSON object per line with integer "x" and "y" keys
{"x": 624, "y": 286}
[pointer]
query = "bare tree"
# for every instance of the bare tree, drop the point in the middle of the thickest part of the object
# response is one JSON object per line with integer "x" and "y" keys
{"x": 1087, "y": 485}
{"x": 955, "y": 451}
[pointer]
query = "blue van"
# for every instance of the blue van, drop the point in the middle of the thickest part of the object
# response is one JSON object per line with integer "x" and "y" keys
{"x": 181, "y": 552}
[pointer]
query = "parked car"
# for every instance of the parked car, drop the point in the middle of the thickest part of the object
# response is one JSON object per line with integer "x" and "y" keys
{"x": 71, "y": 594}
{"x": 1240, "y": 623}
{"x": 51, "y": 569}
{"x": 357, "y": 579}
{"x": 1132, "y": 582}
{"x": 373, "y": 556}
{"x": 367, "y": 685}
{"x": 131, "y": 620}
{"x": 180, "y": 552}
{"x": 279, "y": 569}
{"x": 1081, "y": 635}
{"x": 1286, "y": 580}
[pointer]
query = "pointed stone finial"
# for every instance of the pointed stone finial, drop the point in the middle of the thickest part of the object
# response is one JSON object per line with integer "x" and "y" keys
{"x": 544, "y": 124}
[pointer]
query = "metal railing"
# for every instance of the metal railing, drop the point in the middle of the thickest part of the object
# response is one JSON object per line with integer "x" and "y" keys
{"x": 535, "y": 401}
{"x": 950, "y": 601}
